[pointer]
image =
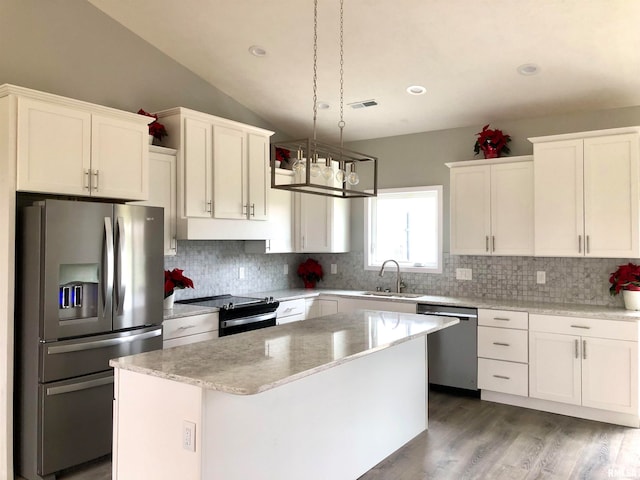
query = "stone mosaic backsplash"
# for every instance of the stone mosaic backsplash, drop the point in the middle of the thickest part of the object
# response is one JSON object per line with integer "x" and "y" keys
{"x": 214, "y": 267}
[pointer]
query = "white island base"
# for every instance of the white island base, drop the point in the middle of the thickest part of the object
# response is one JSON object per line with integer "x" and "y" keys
{"x": 335, "y": 423}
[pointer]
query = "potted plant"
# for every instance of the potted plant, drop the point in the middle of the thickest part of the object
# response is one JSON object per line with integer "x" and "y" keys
{"x": 492, "y": 142}
{"x": 627, "y": 279}
{"x": 310, "y": 271}
{"x": 174, "y": 279}
{"x": 156, "y": 129}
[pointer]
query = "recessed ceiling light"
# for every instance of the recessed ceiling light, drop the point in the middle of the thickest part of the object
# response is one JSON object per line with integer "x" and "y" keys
{"x": 528, "y": 69}
{"x": 416, "y": 90}
{"x": 257, "y": 51}
{"x": 323, "y": 105}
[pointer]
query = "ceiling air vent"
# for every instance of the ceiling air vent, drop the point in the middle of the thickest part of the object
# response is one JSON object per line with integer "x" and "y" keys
{"x": 363, "y": 104}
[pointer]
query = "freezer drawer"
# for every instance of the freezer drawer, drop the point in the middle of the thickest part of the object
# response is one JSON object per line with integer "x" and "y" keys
{"x": 82, "y": 356}
{"x": 76, "y": 421}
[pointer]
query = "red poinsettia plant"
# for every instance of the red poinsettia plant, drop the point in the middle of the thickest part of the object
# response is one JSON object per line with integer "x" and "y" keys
{"x": 282, "y": 154}
{"x": 175, "y": 279}
{"x": 492, "y": 142}
{"x": 155, "y": 128}
{"x": 626, "y": 277}
{"x": 310, "y": 271}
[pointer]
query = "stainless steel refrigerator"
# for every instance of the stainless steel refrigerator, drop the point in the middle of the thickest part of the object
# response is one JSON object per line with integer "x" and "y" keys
{"x": 89, "y": 288}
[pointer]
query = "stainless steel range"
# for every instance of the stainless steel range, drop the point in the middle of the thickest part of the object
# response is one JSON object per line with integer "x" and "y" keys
{"x": 240, "y": 314}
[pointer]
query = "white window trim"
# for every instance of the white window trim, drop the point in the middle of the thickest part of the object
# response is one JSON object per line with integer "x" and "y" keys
{"x": 367, "y": 222}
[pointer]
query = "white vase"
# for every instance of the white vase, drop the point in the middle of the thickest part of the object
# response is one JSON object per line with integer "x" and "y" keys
{"x": 631, "y": 299}
{"x": 168, "y": 302}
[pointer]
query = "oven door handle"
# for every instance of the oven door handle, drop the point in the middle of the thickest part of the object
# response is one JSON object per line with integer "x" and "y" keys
{"x": 245, "y": 320}
{"x": 76, "y": 387}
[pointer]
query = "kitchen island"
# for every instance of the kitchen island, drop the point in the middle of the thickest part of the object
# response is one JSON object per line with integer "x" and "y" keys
{"x": 323, "y": 398}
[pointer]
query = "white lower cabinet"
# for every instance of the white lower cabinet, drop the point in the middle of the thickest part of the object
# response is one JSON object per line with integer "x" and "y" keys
{"x": 319, "y": 307}
{"x": 503, "y": 351}
{"x": 191, "y": 329}
{"x": 290, "y": 311}
{"x": 571, "y": 362}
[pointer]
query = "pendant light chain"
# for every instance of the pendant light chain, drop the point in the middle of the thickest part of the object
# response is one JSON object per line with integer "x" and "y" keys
{"x": 315, "y": 66}
{"x": 341, "y": 123}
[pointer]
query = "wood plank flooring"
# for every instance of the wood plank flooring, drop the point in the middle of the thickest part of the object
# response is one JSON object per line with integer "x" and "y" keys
{"x": 472, "y": 439}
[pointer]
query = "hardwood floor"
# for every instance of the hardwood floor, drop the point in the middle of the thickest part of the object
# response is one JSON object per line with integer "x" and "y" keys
{"x": 472, "y": 439}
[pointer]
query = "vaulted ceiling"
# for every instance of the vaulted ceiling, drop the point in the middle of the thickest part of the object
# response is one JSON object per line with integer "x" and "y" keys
{"x": 464, "y": 52}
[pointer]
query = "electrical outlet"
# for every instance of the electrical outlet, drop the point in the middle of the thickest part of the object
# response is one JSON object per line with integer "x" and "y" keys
{"x": 541, "y": 277}
{"x": 334, "y": 268}
{"x": 189, "y": 436}
{"x": 286, "y": 269}
{"x": 468, "y": 274}
{"x": 463, "y": 274}
{"x": 241, "y": 273}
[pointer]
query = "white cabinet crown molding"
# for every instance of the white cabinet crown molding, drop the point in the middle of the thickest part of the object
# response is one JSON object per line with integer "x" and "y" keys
{"x": 206, "y": 117}
{"x": 8, "y": 89}
{"x": 490, "y": 161}
{"x": 581, "y": 135}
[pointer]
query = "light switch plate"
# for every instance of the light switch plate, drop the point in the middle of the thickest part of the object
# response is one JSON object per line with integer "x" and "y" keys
{"x": 334, "y": 268}
{"x": 241, "y": 273}
{"x": 541, "y": 277}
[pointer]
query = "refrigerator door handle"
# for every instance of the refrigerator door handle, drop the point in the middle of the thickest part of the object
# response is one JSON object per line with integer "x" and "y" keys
{"x": 107, "y": 266}
{"x": 121, "y": 285}
{"x": 75, "y": 387}
{"x": 108, "y": 342}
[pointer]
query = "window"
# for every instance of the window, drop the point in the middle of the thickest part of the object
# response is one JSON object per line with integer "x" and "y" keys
{"x": 405, "y": 224}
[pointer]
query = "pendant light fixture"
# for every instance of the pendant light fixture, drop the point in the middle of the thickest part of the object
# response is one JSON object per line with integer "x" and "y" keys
{"x": 325, "y": 169}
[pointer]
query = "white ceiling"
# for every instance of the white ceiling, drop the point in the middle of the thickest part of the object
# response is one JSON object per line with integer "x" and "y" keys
{"x": 465, "y": 52}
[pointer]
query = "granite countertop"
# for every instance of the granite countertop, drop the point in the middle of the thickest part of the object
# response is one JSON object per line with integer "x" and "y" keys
{"x": 252, "y": 362}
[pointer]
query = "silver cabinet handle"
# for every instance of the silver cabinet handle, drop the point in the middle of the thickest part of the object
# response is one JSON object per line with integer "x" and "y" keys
{"x": 245, "y": 209}
{"x": 268, "y": 246}
{"x": 87, "y": 185}
{"x": 186, "y": 327}
{"x": 486, "y": 243}
{"x": 502, "y": 377}
{"x": 584, "y": 349}
{"x": 501, "y": 344}
{"x": 96, "y": 176}
{"x": 581, "y": 326}
{"x": 493, "y": 243}
{"x": 209, "y": 207}
{"x": 579, "y": 243}
{"x": 75, "y": 387}
{"x": 587, "y": 249}
{"x": 253, "y": 209}
{"x": 502, "y": 319}
{"x": 577, "y": 348}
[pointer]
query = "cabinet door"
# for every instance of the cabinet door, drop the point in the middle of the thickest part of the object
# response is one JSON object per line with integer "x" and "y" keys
{"x": 558, "y": 198}
{"x": 610, "y": 375}
{"x": 611, "y": 196}
{"x": 281, "y": 217}
{"x": 318, "y": 307}
{"x": 54, "y": 148}
{"x": 554, "y": 367}
{"x": 470, "y": 210}
{"x": 197, "y": 169}
{"x": 162, "y": 193}
{"x": 259, "y": 181}
{"x": 313, "y": 223}
{"x": 512, "y": 209}
{"x": 119, "y": 159}
{"x": 230, "y": 196}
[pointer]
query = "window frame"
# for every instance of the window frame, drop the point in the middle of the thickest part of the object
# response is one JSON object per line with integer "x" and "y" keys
{"x": 368, "y": 211}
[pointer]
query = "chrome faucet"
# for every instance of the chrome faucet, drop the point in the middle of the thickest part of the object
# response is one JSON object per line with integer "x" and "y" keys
{"x": 399, "y": 284}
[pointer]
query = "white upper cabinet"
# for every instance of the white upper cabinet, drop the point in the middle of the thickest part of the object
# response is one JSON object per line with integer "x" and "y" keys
{"x": 222, "y": 176}
{"x": 492, "y": 207}
{"x": 586, "y": 194}
{"x": 321, "y": 223}
{"x": 69, "y": 147}
{"x": 162, "y": 191}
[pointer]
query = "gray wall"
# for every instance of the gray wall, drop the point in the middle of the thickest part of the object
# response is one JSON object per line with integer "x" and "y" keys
{"x": 70, "y": 48}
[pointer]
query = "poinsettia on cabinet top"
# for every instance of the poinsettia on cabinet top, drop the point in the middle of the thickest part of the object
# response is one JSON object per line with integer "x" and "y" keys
{"x": 492, "y": 142}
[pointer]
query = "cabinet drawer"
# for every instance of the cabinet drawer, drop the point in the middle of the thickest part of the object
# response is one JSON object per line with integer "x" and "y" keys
{"x": 291, "y": 307}
{"x": 180, "y": 327}
{"x": 586, "y": 327}
{"x": 503, "y": 344}
{"x": 505, "y": 377}
{"x": 503, "y": 318}
{"x": 187, "y": 339}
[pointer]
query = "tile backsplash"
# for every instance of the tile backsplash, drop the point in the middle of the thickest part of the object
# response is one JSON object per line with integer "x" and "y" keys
{"x": 214, "y": 266}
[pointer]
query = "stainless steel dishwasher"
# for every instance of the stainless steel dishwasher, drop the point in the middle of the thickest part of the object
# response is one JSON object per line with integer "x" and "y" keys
{"x": 453, "y": 352}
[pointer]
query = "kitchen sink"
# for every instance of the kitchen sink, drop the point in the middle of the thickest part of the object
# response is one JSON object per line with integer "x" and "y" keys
{"x": 394, "y": 294}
